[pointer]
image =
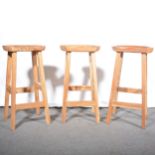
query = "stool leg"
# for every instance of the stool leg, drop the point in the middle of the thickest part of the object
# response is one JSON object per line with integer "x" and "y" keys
{"x": 94, "y": 85}
{"x": 91, "y": 79}
{"x": 36, "y": 80}
{"x": 66, "y": 85}
{"x": 115, "y": 84}
{"x": 7, "y": 91}
{"x": 13, "y": 91}
{"x": 43, "y": 87}
{"x": 144, "y": 89}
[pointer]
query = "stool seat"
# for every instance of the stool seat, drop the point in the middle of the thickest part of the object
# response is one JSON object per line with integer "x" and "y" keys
{"x": 79, "y": 48}
{"x": 23, "y": 48}
{"x": 132, "y": 49}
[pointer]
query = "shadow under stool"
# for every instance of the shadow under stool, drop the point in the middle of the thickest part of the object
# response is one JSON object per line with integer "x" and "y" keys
{"x": 90, "y": 49}
{"x": 113, "y": 103}
{"x": 38, "y": 82}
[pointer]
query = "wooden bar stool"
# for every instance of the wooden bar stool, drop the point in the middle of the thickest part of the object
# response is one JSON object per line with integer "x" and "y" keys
{"x": 38, "y": 82}
{"x": 120, "y": 50}
{"x": 93, "y": 79}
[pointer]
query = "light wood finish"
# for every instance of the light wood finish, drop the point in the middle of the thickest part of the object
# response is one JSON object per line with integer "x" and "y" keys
{"x": 24, "y": 89}
{"x": 127, "y": 105}
{"x": 129, "y": 90}
{"x": 38, "y": 83}
{"x": 30, "y": 105}
{"x": 81, "y": 104}
{"x": 8, "y": 80}
{"x": 66, "y": 86}
{"x": 144, "y": 89}
{"x": 93, "y": 78}
{"x": 115, "y": 84}
{"x": 133, "y": 49}
{"x": 91, "y": 49}
{"x": 120, "y": 50}
{"x": 36, "y": 80}
{"x": 23, "y": 48}
{"x": 80, "y": 48}
{"x": 81, "y": 88}
{"x": 91, "y": 81}
{"x": 13, "y": 91}
{"x": 43, "y": 87}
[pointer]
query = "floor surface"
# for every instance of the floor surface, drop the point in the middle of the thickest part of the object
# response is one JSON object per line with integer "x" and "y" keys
{"x": 80, "y": 135}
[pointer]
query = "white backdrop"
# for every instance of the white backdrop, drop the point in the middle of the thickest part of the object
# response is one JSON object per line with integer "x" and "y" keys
{"x": 101, "y": 22}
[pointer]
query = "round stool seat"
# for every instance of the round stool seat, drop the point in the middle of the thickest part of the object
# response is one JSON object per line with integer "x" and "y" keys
{"x": 133, "y": 49}
{"x": 25, "y": 48}
{"x": 79, "y": 48}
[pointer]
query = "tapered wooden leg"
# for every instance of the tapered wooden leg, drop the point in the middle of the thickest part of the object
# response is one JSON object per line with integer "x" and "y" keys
{"x": 115, "y": 84}
{"x": 43, "y": 87}
{"x": 7, "y": 91}
{"x": 13, "y": 91}
{"x": 144, "y": 89}
{"x": 66, "y": 85}
{"x": 94, "y": 85}
{"x": 36, "y": 80}
{"x": 91, "y": 79}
